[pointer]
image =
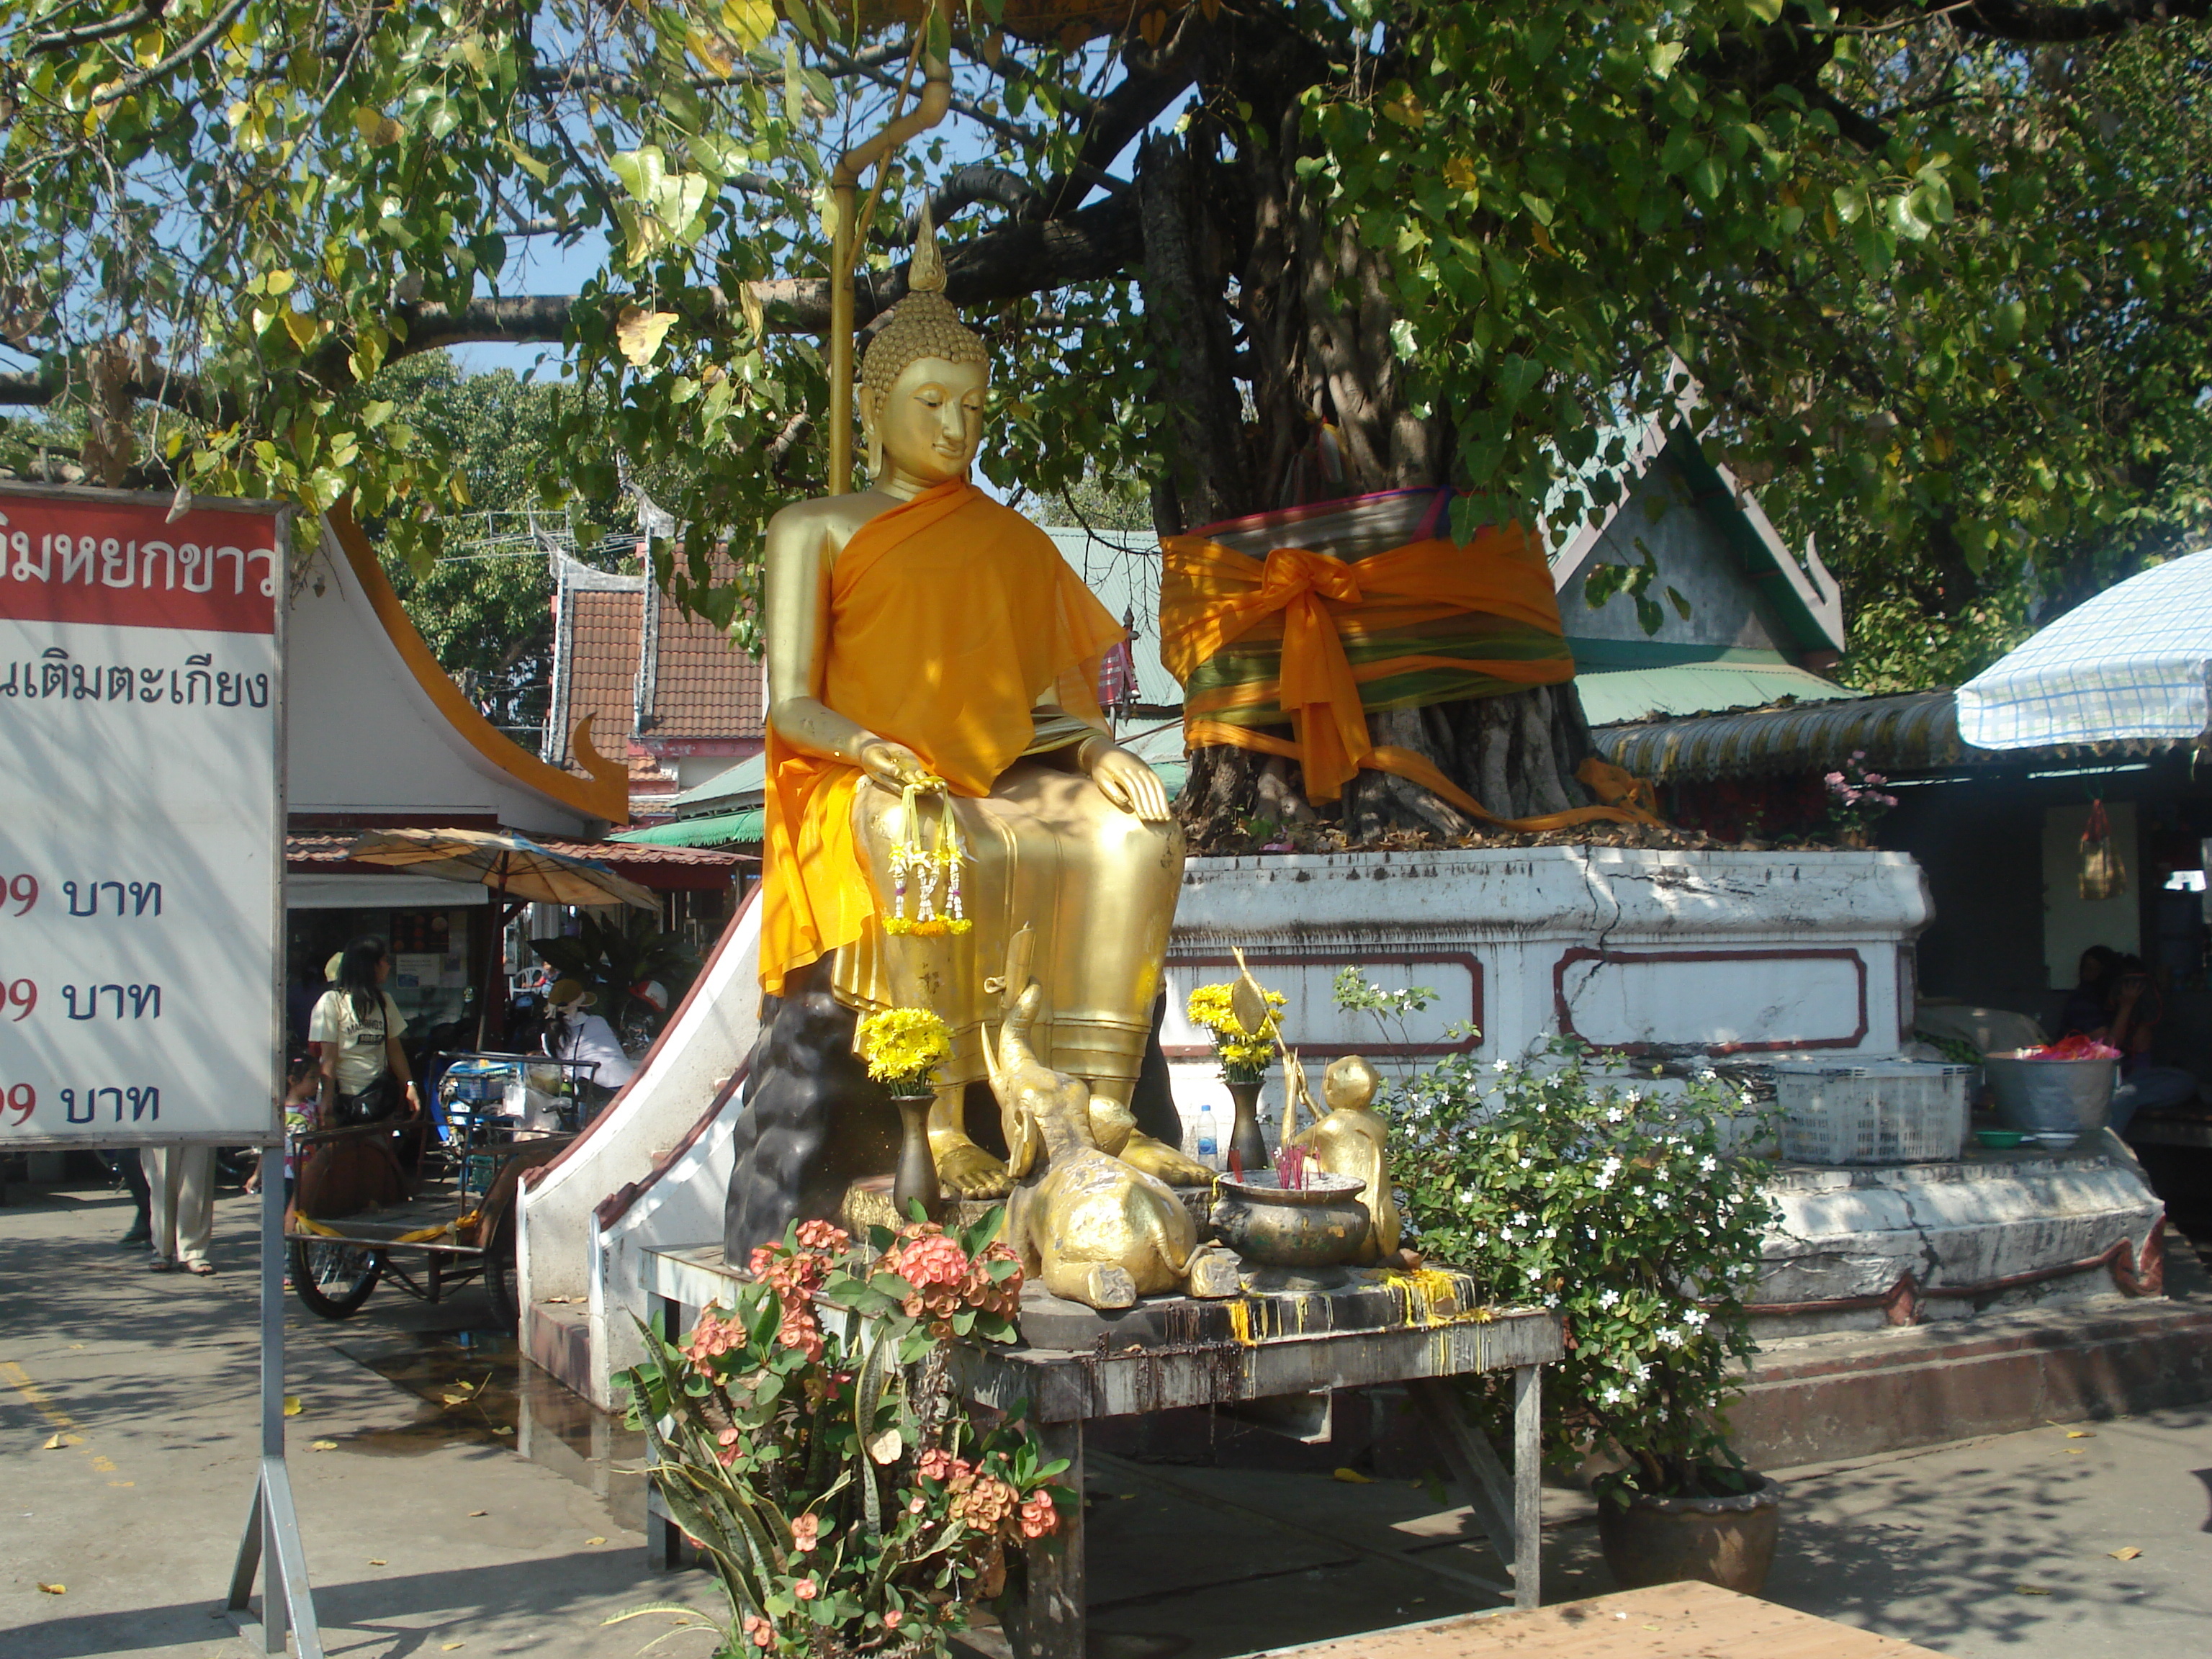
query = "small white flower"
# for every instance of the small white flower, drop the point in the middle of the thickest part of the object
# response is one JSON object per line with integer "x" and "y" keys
{"x": 1468, "y": 1196}
{"x": 1527, "y": 1163}
{"x": 1552, "y": 1301}
{"x": 1536, "y": 1274}
{"x": 1670, "y": 1338}
{"x": 1709, "y": 1075}
{"x": 1695, "y": 1318}
{"x": 1606, "y": 1298}
{"x": 1610, "y": 1167}
{"x": 1521, "y": 1218}
{"x": 1501, "y": 1066}
{"x": 1635, "y": 1096}
{"x": 1603, "y": 1180}
{"x": 1614, "y": 1115}
{"x": 1708, "y": 1163}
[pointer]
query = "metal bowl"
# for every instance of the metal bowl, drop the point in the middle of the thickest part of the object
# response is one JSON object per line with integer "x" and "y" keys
{"x": 1322, "y": 1224}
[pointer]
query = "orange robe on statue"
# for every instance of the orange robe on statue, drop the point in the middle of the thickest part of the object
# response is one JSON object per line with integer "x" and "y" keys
{"x": 952, "y": 619}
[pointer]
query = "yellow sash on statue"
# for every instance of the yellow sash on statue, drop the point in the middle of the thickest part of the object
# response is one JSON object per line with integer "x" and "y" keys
{"x": 949, "y": 617}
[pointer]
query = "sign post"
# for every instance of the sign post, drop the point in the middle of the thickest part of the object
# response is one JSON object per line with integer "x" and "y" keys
{"x": 142, "y": 862}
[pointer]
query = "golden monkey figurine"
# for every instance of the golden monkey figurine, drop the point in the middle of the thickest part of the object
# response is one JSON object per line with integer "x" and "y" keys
{"x": 1355, "y": 1140}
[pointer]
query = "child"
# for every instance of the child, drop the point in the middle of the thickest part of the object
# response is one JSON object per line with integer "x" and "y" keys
{"x": 302, "y": 1108}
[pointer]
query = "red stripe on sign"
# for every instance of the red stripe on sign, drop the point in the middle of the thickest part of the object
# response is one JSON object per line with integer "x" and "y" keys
{"x": 128, "y": 567}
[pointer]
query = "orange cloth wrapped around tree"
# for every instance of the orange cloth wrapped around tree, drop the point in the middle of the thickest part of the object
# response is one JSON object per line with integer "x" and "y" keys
{"x": 952, "y": 619}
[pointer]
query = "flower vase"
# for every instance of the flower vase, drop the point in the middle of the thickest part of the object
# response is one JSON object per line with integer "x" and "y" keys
{"x": 917, "y": 1166}
{"x": 1244, "y": 1138}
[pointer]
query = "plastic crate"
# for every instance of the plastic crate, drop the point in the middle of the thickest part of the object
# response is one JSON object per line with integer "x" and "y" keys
{"x": 1900, "y": 1111}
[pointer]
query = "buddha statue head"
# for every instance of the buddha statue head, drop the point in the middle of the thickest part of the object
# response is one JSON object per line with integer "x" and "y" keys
{"x": 923, "y": 379}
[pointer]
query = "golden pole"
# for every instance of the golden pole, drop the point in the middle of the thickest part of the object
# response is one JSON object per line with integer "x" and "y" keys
{"x": 844, "y": 246}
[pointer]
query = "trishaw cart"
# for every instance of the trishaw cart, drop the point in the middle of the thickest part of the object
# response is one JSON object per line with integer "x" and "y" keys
{"x": 358, "y": 1216}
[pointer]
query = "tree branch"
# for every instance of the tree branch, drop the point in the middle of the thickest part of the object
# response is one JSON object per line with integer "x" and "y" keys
{"x": 86, "y": 33}
{"x": 1140, "y": 98}
{"x": 2030, "y": 22}
{"x": 184, "y": 54}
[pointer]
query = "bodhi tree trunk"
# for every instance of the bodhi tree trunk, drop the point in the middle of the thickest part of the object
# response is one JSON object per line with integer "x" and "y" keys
{"x": 1266, "y": 323}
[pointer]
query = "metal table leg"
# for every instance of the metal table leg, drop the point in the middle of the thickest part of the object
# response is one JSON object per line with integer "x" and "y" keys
{"x": 1049, "y": 1622}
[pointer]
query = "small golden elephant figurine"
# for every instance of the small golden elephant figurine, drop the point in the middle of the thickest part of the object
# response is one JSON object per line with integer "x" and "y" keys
{"x": 1091, "y": 1228}
{"x": 1353, "y": 1140}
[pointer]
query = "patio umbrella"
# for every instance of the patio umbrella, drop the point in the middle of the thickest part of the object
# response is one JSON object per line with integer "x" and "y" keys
{"x": 512, "y": 866}
{"x": 2132, "y": 663}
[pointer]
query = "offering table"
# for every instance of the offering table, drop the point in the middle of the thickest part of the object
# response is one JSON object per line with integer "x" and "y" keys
{"x": 1074, "y": 1364}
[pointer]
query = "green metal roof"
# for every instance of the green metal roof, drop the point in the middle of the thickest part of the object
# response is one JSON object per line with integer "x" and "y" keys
{"x": 723, "y": 829}
{"x": 1611, "y": 697}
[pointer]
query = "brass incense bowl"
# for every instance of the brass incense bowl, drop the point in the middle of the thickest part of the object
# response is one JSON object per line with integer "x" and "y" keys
{"x": 1310, "y": 1233}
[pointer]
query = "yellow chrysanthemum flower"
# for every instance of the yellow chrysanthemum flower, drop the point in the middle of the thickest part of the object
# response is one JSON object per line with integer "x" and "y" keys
{"x": 904, "y": 1046}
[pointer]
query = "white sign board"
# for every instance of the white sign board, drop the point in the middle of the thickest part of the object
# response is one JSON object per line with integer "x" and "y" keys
{"x": 142, "y": 825}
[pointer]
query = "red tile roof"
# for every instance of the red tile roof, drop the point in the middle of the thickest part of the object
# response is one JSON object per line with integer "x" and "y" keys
{"x": 702, "y": 686}
{"x": 602, "y": 634}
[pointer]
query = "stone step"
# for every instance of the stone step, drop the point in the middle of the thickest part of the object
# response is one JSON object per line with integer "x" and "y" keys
{"x": 1851, "y": 1393}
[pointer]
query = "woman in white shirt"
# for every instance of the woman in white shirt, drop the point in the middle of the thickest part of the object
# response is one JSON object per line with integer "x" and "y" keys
{"x": 573, "y": 1033}
{"x": 358, "y": 1026}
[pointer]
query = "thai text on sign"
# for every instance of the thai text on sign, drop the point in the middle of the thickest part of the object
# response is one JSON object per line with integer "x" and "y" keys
{"x": 141, "y": 819}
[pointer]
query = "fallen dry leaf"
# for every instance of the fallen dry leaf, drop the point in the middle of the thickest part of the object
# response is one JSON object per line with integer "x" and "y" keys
{"x": 54, "y": 1589}
{"x": 2031, "y": 1590}
{"x": 2077, "y": 1451}
{"x": 323, "y": 1445}
{"x": 474, "y": 1513}
{"x": 2127, "y": 1554}
{"x": 1353, "y": 1477}
{"x": 55, "y": 1442}
{"x": 2080, "y": 1434}
{"x": 588, "y": 1542}
{"x": 503, "y": 1429}
{"x": 456, "y": 1399}
{"x": 291, "y": 1404}
{"x": 447, "y": 1647}
{"x": 373, "y": 1562}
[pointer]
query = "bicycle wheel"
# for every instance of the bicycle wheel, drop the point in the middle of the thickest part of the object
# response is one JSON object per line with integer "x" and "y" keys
{"x": 332, "y": 1278}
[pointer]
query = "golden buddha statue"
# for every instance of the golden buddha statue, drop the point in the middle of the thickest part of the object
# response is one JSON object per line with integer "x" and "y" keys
{"x": 922, "y": 636}
{"x": 1353, "y": 1140}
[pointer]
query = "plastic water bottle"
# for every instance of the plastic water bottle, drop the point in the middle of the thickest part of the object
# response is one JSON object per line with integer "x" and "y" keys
{"x": 1209, "y": 1147}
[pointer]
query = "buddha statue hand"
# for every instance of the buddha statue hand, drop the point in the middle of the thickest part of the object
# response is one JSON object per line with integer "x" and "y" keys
{"x": 1115, "y": 1128}
{"x": 1127, "y": 781}
{"x": 893, "y": 765}
{"x": 964, "y": 1169}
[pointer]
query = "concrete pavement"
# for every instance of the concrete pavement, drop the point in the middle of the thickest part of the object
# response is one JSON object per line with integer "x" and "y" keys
{"x": 2001, "y": 1546}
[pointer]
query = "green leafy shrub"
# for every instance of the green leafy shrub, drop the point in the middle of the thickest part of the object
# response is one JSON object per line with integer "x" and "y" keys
{"x": 810, "y": 1443}
{"x": 1565, "y": 1182}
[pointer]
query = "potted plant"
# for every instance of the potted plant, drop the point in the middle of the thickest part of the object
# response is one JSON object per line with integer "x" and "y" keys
{"x": 904, "y": 1048}
{"x": 1857, "y": 801}
{"x": 1245, "y": 1052}
{"x": 809, "y": 1442}
{"x": 1614, "y": 1199}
